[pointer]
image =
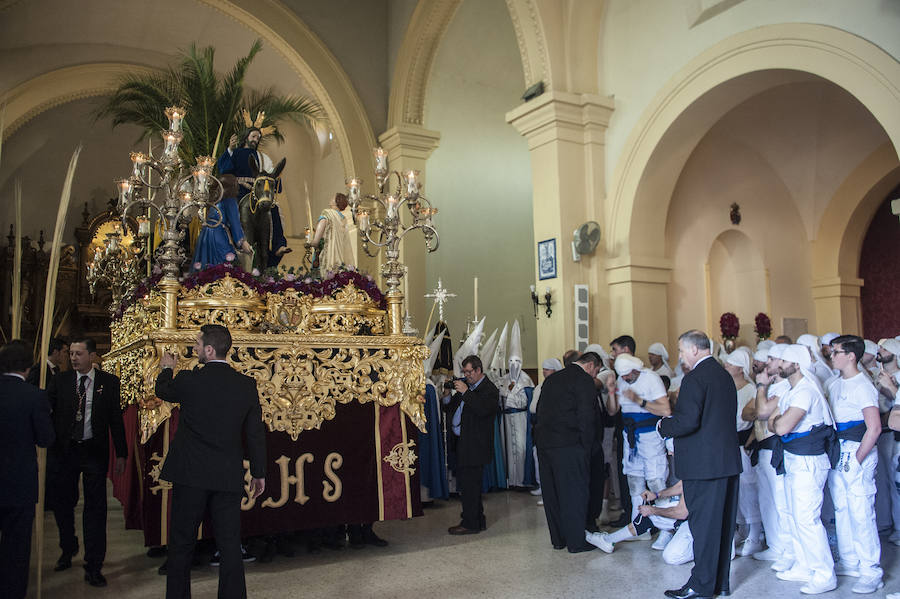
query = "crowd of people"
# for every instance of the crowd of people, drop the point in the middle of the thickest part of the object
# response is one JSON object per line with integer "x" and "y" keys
{"x": 771, "y": 448}
{"x": 751, "y": 453}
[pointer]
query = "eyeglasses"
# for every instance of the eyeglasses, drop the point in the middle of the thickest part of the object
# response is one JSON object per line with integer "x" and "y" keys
{"x": 839, "y": 351}
{"x": 468, "y": 371}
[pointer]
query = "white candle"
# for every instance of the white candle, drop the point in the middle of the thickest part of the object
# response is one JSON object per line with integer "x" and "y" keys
{"x": 406, "y": 290}
{"x": 476, "y": 298}
{"x": 391, "y": 207}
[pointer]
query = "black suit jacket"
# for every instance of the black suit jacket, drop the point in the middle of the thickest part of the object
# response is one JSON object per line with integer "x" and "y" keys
{"x": 218, "y": 406}
{"x": 106, "y": 412}
{"x": 35, "y": 372}
{"x": 568, "y": 410}
{"x": 702, "y": 424}
{"x": 476, "y": 424}
{"x": 24, "y": 423}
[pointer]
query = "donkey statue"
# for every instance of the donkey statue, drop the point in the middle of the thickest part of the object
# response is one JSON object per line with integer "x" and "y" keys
{"x": 256, "y": 212}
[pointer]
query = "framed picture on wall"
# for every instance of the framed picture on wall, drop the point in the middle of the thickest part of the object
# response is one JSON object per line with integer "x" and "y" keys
{"x": 547, "y": 259}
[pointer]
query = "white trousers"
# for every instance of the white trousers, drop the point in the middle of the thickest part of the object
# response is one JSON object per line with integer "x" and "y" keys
{"x": 772, "y": 504}
{"x": 748, "y": 497}
{"x": 804, "y": 484}
{"x": 853, "y": 494}
{"x": 537, "y": 471}
{"x": 680, "y": 549}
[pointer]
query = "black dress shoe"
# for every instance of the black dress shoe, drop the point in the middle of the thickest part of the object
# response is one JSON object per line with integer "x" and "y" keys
{"x": 559, "y": 547}
{"x": 686, "y": 592}
{"x": 95, "y": 579}
{"x": 462, "y": 530}
{"x": 370, "y": 538}
{"x": 156, "y": 552}
{"x": 724, "y": 593}
{"x": 63, "y": 563}
{"x": 582, "y": 549}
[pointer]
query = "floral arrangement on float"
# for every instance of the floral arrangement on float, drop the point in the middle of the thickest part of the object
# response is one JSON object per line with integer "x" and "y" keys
{"x": 730, "y": 327}
{"x": 763, "y": 326}
{"x": 272, "y": 280}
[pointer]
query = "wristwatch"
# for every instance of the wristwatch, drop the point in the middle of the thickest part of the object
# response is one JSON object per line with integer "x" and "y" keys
{"x": 643, "y": 403}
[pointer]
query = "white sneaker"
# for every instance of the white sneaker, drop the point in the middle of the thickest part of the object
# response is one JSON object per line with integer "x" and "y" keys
{"x": 751, "y": 547}
{"x": 600, "y": 540}
{"x": 540, "y": 502}
{"x": 662, "y": 540}
{"x": 845, "y": 570}
{"x": 782, "y": 564}
{"x": 769, "y": 555}
{"x": 795, "y": 575}
{"x": 892, "y": 596}
{"x": 870, "y": 584}
{"x": 535, "y": 492}
{"x": 814, "y": 588}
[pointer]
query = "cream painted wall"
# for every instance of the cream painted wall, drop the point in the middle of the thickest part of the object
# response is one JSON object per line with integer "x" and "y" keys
{"x": 39, "y": 154}
{"x": 655, "y": 39}
{"x": 781, "y": 156}
{"x": 479, "y": 176}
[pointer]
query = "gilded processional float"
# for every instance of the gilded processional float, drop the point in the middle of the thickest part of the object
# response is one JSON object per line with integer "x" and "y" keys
{"x": 339, "y": 384}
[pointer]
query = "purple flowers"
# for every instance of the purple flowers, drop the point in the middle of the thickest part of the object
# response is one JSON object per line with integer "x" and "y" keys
{"x": 266, "y": 283}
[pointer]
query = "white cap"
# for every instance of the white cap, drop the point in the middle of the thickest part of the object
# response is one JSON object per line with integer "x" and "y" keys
{"x": 552, "y": 364}
{"x": 498, "y": 360}
{"x": 765, "y": 345}
{"x": 777, "y": 350}
{"x": 659, "y": 349}
{"x": 598, "y": 349}
{"x": 740, "y": 358}
{"x": 625, "y": 363}
{"x": 761, "y": 355}
{"x": 468, "y": 348}
{"x": 812, "y": 343}
{"x": 515, "y": 352}
{"x": 487, "y": 350}
{"x": 434, "y": 348}
{"x": 798, "y": 354}
{"x": 827, "y": 338}
{"x": 871, "y": 347}
{"x": 891, "y": 346}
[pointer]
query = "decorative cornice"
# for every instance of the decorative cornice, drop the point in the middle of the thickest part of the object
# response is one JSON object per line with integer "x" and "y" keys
{"x": 409, "y": 141}
{"x": 415, "y": 58}
{"x": 557, "y": 115}
{"x": 55, "y": 88}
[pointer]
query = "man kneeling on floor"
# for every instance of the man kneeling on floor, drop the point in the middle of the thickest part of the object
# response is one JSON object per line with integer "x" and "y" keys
{"x": 667, "y": 512}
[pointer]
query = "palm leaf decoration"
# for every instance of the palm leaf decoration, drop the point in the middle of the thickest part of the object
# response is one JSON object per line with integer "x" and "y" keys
{"x": 210, "y": 100}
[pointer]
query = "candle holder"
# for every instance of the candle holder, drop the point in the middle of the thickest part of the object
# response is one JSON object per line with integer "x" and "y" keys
{"x": 546, "y": 303}
{"x": 387, "y": 232}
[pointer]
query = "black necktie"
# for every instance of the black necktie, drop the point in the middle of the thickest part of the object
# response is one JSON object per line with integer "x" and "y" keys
{"x": 80, "y": 415}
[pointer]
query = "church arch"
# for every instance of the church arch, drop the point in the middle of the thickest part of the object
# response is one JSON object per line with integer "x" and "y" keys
{"x": 712, "y": 84}
{"x": 426, "y": 29}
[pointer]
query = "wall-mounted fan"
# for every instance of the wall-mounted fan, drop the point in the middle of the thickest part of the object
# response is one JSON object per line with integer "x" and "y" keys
{"x": 585, "y": 241}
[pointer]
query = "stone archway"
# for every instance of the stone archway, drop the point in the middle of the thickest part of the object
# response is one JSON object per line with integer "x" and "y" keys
{"x": 707, "y": 88}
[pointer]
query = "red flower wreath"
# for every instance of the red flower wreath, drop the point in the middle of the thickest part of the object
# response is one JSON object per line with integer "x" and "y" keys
{"x": 730, "y": 325}
{"x": 763, "y": 326}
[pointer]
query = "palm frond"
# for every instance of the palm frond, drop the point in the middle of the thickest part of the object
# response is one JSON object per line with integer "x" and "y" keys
{"x": 210, "y": 101}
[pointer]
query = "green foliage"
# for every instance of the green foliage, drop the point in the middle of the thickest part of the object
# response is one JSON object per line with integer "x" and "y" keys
{"x": 210, "y": 101}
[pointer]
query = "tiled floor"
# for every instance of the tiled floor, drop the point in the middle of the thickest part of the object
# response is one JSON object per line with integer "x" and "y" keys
{"x": 513, "y": 558}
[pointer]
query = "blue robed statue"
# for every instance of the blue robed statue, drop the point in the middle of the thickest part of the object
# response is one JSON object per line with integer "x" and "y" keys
{"x": 223, "y": 233}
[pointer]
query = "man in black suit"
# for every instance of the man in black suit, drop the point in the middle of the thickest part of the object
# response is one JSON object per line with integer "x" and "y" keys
{"x": 564, "y": 434}
{"x": 86, "y": 411}
{"x": 205, "y": 462}
{"x": 707, "y": 460}
{"x": 57, "y": 358}
{"x": 479, "y": 403}
{"x": 24, "y": 423}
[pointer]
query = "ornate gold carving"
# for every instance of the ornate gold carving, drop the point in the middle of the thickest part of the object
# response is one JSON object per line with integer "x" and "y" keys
{"x": 308, "y": 357}
{"x": 226, "y": 301}
{"x": 155, "y": 470}
{"x": 350, "y": 312}
{"x": 402, "y": 456}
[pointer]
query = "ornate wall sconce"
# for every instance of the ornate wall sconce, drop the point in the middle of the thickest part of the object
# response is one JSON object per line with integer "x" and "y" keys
{"x": 546, "y": 303}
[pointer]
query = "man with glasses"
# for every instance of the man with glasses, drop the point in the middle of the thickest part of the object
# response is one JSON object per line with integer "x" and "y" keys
{"x": 854, "y": 403}
{"x": 473, "y": 422}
